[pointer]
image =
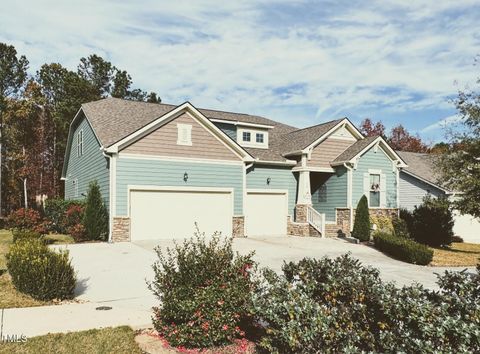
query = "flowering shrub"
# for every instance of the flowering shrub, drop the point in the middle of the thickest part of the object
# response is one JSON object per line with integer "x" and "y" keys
{"x": 338, "y": 305}
{"x": 77, "y": 231}
{"x": 56, "y": 212}
{"x": 39, "y": 271}
{"x": 26, "y": 219}
{"x": 204, "y": 290}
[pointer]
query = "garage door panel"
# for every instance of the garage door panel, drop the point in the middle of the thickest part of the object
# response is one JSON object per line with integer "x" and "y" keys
{"x": 172, "y": 214}
{"x": 266, "y": 214}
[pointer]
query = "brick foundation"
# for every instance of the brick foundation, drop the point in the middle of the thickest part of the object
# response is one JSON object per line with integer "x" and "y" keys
{"x": 301, "y": 213}
{"x": 121, "y": 229}
{"x": 238, "y": 226}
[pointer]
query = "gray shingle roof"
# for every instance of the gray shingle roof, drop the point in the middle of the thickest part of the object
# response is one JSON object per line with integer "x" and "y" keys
{"x": 421, "y": 165}
{"x": 113, "y": 119}
{"x": 354, "y": 149}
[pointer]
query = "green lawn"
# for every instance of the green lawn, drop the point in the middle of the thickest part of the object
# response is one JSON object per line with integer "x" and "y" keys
{"x": 108, "y": 340}
{"x": 9, "y": 297}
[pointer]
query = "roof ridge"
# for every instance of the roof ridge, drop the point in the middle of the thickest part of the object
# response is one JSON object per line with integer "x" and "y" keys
{"x": 319, "y": 124}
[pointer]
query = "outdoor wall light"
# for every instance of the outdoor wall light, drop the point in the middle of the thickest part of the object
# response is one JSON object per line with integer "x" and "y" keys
{"x": 185, "y": 176}
{"x": 269, "y": 180}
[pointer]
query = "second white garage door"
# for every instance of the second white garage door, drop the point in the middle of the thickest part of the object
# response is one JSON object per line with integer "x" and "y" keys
{"x": 266, "y": 213}
{"x": 171, "y": 214}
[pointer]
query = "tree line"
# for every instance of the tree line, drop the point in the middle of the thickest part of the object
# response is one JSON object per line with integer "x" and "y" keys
{"x": 35, "y": 114}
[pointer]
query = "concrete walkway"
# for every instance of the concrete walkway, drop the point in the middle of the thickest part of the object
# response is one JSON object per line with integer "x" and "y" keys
{"x": 115, "y": 275}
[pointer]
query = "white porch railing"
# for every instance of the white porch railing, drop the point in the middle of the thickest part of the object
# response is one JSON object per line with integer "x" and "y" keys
{"x": 316, "y": 219}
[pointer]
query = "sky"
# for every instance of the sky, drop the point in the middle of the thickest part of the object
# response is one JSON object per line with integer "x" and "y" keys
{"x": 298, "y": 62}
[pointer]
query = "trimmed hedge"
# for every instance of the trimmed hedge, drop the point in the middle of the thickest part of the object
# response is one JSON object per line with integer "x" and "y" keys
{"x": 361, "y": 226}
{"x": 40, "y": 272}
{"x": 403, "y": 249}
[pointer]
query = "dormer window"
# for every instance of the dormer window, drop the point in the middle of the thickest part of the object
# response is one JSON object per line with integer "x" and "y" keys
{"x": 252, "y": 137}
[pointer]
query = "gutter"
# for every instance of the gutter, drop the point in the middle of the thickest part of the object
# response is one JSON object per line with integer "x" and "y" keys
{"x": 350, "y": 192}
{"x": 273, "y": 163}
{"x": 111, "y": 191}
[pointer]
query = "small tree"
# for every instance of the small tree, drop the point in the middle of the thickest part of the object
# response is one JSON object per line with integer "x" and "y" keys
{"x": 433, "y": 222}
{"x": 361, "y": 227}
{"x": 95, "y": 219}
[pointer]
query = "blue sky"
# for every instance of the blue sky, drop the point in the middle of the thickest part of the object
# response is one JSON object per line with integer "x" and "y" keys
{"x": 300, "y": 62}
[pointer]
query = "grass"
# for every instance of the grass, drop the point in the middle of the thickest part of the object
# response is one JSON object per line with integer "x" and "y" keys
{"x": 107, "y": 340}
{"x": 457, "y": 254}
{"x": 9, "y": 297}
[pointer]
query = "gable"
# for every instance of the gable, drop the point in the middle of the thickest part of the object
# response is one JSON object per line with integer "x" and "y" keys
{"x": 325, "y": 152}
{"x": 343, "y": 133}
{"x": 163, "y": 141}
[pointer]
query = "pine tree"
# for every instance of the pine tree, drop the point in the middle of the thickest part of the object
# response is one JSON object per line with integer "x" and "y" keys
{"x": 361, "y": 227}
{"x": 95, "y": 219}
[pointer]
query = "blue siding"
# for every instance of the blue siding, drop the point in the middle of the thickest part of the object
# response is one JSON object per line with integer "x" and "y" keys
{"x": 92, "y": 165}
{"x": 280, "y": 178}
{"x": 380, "y": 161}
{"x": 131, "y": 171}
{"x": 336, "y": 192}
{"x": 413, "y": 190}
{"x": 229, "y": 129}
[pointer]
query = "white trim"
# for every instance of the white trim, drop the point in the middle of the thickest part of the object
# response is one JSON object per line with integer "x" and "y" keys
{"x": 428, "y": 182}
{"x": 253, "y": 136}
{"x": 146, "y": 188}
{"x": 236, "y": 122}
{"x": 113, "y": 193}
{"x": 343, "y": 122}
{"x": 397, "y": 178}
{"x": 374, "y": 171}
{"x": 314, "y": 169}
{"x": 186, "y": 107}
{"x": 123, "y": 155}
{"x": 385, "y": 147}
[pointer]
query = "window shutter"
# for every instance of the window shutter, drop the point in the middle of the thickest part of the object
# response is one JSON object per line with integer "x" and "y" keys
{"x": 383, "y": 190}
{"x": 366, "y": 185}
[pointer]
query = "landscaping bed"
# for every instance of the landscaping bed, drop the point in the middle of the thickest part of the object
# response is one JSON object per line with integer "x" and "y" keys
{"x": 9, "y": 296}
{"x": 107, "y": 340}
{"x": 457, "y": 255}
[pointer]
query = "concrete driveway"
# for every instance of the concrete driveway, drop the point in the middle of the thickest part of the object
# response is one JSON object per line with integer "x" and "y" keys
{"x": 117, "y": 273}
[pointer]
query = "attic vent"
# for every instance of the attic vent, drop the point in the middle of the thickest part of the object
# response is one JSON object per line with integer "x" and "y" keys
{"x": 184, "y": 134}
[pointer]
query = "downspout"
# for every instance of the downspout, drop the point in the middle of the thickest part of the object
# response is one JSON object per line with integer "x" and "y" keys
{"x": 110, "y": 199}
{"x": 246, "y": 167}
{"x": 349, "y": 192}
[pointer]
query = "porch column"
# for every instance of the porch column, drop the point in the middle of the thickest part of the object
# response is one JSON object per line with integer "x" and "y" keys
{"x": 304, "y": 198}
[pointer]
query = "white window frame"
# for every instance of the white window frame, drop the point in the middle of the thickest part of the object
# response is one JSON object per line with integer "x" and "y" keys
{"x": 378, "y": 190}
{"x": 246, "y": 134}
{"x": 253, "y": 137}
{"x": 184, "y": 134}
{"x": 80, "y": 143}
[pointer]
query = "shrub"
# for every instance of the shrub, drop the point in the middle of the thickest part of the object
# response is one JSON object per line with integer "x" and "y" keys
{"x": 407, "y": 216}
{"x": 433, "y": 223}
{"x": 26, "y": 219}
{"x": 77, "y": 231}
{"x": 40, "y": 272}
{"x": 56, "y": 213}
{"x": 95, "y": 219}
{"x": 384, "y": 223}
{"x": 204, "y": 290}
{"x": 400, "y": 228}
{"x": 361, "y": 227}
{"x": 403, "y": 249}
{"x": 20, "y": 235}
{"x": 338, "y": 305}
{"x": 457, "y": 239}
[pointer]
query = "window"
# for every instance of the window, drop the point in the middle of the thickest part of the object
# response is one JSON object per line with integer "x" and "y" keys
{"x": 246, "y": 136}
{"x": 259, "y": 138}
{"x": 75, "y": 187}
{"x": 80, "y": 143}
{"x": 374, "y": 191}
{"x": 322, "y": 194}
{"x": 184, "y": 134}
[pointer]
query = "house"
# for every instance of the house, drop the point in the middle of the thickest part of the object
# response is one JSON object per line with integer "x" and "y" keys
{"x": 161, "y": 168}
{"x": 419, "y": 179}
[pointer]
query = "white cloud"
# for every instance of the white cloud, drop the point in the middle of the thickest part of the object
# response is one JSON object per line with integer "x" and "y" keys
{"x": 235, "y": 55}
{"x": 442, "y": 123}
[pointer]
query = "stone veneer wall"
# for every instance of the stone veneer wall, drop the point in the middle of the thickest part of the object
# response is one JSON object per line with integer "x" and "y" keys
{"x": 121, "y": 229}
{"x": 303, "y": 229}
{"x": 343, "y": 220}
{"x": 238, "y": 226}
{"x": 301, "y": 213}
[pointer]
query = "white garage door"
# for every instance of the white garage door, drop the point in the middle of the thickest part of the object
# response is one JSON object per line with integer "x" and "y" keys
{"x": 171, "y": 214}
{"x": 467, "y": 227}
{"x": 266, "y": 214}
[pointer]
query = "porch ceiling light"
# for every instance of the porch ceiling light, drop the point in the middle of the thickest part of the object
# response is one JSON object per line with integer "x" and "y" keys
{"x": 185, "y": 177}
